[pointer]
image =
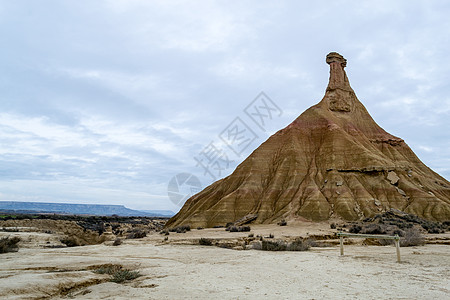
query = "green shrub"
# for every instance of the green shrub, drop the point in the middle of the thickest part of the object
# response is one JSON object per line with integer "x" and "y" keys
{"x": 118, "y": 274}
{"x": 9, "y": 244}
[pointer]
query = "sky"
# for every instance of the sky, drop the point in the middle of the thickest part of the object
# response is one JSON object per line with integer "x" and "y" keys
{"x": 135, "y": 102}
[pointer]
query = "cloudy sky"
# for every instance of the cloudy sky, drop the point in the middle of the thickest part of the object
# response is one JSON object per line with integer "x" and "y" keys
{"x": 107, "y": 101}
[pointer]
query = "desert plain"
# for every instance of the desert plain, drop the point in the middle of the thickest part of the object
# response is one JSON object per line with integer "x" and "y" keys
{"x": 176, "y": 267}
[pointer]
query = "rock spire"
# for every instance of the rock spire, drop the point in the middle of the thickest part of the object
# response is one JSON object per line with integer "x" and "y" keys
{"x": 333, "y": 161}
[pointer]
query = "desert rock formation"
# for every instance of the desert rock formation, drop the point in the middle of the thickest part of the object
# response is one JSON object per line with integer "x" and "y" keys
{"x": 333, "y": 161}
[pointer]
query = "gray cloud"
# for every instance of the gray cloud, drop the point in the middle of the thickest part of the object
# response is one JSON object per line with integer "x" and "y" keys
{"x": 103, "y": 102}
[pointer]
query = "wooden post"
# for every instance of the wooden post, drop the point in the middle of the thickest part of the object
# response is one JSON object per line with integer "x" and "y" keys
{"x": 396, "y": 239}
{"x": 397, "y": 245}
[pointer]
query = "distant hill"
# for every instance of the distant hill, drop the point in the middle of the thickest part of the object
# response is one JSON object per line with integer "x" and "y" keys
{"x": 80, "y": 209}
{"x": 164, "y": 213}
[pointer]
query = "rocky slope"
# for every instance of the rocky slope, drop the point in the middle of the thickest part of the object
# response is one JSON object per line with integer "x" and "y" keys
{"x": 332, "y": 161}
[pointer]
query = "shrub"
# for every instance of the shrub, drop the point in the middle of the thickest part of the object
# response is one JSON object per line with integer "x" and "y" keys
{"x": 232, "y": 229}
{"x": 118, "y": 274}
{"x": 333, "y": 225}
{"x": 238, "y": 228}
{"x": 298, "y": 245}
{"x": 412, "y": 238}
{"x": 181, "y": 229}
{"x": 137, "y": 233}
{"x": 256, "y": 245}
{"x": 355, "y": 229}
{"x": 124, "y": 275}
{"x": 373, "y": 229}
{"x": 70, "y": 242}
{"x": 199, "y": 228}
{"x": 435, "y": 230}
{"x": 8, "y": 244}
{"x": 10, "y": 229}
{"x": 205, "y": 242}
{"x": 251, "y": 235}
{"x": 117, "y": 242}
{"x": 271, "y": 236}
{"x": 273, "y": 245}
{"x": 109, "y": 269}
{"x": 398, "y": 232}
{"x": 282, "y": 223}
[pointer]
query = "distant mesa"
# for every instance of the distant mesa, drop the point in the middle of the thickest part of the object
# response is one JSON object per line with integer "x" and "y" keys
{"x": 333, "y": 161}
{"x": 80, "y": 209}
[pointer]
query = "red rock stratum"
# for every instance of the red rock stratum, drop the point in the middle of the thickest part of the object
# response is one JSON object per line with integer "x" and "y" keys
{"x": 333, "y": 161}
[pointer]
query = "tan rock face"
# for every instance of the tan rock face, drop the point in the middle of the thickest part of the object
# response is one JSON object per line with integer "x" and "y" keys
{"x": 332, "y": 161}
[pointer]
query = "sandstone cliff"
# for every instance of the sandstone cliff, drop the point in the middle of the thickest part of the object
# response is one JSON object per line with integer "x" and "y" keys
{"x": 332, "y": 161}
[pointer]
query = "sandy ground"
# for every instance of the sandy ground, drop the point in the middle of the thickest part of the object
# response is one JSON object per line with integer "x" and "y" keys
{"x": 177, "y": 271}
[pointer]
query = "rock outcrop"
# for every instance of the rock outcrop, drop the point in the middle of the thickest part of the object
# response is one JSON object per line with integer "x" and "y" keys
{"x": 332, "y": 161}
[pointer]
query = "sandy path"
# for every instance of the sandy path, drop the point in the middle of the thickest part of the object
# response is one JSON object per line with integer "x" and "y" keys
{"x": 188, "y": 272}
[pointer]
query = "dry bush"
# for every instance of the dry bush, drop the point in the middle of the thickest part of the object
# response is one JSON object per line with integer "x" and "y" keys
{"x": 299, "y": 245}
{"x": 238, "y": 228}
{"x": 117, "y": 242}
{"x": 9, "y": 244}
{"x": 412, "y": 237}
{"x": 257, "y": 245}
{"x": 355, "y": 229}
{"x": 282, "y": 223}
{"x": 374, "y": 229}
{"x": 273, "y": 245}
{"x": 205, "y": 242}
{"x": 9, "y": 229}
{"x": 181, "y": 229}
{"x": 70, "y": 241}
{"x": 137, "y": 233}
{"x": 108, "y": 269}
